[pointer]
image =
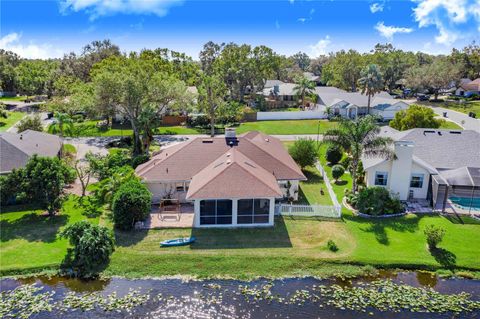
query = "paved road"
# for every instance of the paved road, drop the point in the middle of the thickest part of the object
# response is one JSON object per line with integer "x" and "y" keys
{"x": 461, "y": 119}
{"x": 97, "y": 145}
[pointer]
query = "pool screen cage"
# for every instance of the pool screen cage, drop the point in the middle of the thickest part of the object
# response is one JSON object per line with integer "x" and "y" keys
{"x": 462, "y": 183}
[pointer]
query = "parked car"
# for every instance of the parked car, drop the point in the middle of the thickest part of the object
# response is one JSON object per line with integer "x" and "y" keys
{"x": 423, "y": 97}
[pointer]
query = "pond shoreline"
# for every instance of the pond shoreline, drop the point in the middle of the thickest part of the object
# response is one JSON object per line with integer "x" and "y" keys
{"x": 367, "y": 271}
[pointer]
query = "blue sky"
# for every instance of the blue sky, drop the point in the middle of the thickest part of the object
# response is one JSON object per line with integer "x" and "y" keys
{"x": 42, "y": 29}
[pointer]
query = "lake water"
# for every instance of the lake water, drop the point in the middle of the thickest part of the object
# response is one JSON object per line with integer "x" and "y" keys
{"x": 221, "y": 298}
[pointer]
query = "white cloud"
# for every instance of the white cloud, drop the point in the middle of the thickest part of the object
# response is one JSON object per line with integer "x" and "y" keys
{"x": 376, "y": 7}
{"x": 302, "y": 20}
{"x": 291, "y": 1}
{"x": 11, "y": 42}
{"x": 389, "y": 31}
{"x": 446, "y": 16}
{"x": 277, "y": 24}
{"x": 320, "y": 48}
{"x": 98, "y": 8}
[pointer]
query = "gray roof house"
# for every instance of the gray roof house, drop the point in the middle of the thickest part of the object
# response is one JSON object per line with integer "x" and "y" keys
{"x": 353, "y": 104}
{"x": 16, "y": 149}
{"x": 441, "y": 166}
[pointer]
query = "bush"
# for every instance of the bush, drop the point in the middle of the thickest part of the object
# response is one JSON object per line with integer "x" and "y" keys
{"x": 377, "y": 201}
{"x": 92, "y": 247}
{"x": 304, "y": 152}
{"x": 131, "y": 203}
{"x": 434, "y": 235}
{"x": 201, "y": 121}
{"x": 139, "y": 159}
{"x": 415, "y": 116}
{"x": 33, "y": 123}
{"x": 332, "y": 246}
{"x": 333, "y": 154}
{"x": 337, "y": 171}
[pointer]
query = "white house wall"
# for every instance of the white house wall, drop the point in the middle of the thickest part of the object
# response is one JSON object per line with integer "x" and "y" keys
{"x": 404, "y": 183}
{"x": 420, "y": 193}
{"x": 382, "y": 167}
{"x": 161, "y": 190}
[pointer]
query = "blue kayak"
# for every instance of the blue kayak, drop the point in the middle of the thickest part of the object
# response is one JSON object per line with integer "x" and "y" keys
{"x": 177, "y": 242}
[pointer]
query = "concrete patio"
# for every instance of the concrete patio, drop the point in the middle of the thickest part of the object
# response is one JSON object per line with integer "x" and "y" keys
{"x": 184, "y": 219}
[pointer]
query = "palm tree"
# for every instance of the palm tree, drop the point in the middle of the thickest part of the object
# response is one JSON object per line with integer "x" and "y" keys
{"x": 371, "y": 82}
{"x": 62, "y": 120}
{"x": 303, "y": 87}
{"x": 359, "y": 138}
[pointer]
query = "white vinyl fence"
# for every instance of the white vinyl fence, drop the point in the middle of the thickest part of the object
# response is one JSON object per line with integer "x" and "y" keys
{"x": 300, "y": 115}
{"x": 308, "y": 210}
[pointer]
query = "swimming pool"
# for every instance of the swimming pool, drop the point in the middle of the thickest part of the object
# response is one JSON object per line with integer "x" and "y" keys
{"x": 465, "y": 202}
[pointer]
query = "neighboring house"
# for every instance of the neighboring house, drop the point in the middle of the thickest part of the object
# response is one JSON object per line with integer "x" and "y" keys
{"x": 16, "y": 149}
{"x": 312, "y": 77}
{"x": 281, "y": 95}
{"x": 428, "y": 162}
{"x": 354, "y": 104}
{"x": 468, "y": 87}
{"x": 271, "y": 83}
{"x": 232, "y": 181}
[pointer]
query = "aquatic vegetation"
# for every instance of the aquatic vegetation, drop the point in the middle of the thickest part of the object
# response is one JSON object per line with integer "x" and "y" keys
{"x": 385, "y": 295}
{"x": 365, "y": 297}
{"x": 24, "y": 301}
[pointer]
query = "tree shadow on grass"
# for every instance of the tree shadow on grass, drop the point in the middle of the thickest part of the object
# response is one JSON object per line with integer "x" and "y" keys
{"x": 33, "y": 227}
{"x": 240, "y": 238}
{"x": 340, "y": 183}
{"x": 91, "y": 207}
{"x": 444, "y": 257}
{"x": 129, "y": 238}
{"x": 379, "y": 226}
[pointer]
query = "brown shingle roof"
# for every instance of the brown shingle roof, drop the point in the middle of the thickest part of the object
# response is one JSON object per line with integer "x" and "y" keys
{"x": 233, "y": 175}
{"x": 183, "y": 161}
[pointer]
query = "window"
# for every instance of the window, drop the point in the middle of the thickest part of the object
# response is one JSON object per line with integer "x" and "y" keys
{"x": 179, "y": 187}
{"x": 215, "y": 212}
{"x": 416, "y": 181}
{"x": 381, "y": 178}
{"x": 253, "y": 211}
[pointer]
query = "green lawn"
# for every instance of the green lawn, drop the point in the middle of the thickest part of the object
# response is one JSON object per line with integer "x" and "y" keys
{"x": 13, "y": 117}
{"x": 309, "y": 192}
{"x": 14, "y": 98}
{"x": 89, "y": 128}
{"x": 473, "y": 106}
{"x": 30, "y": 241}
{"x": 287, "y": 127}
{"x": 449, "y": 125}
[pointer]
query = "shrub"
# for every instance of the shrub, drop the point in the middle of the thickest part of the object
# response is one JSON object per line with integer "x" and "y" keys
{"x": 304, "y": 152}
{"x": 333, "y": 154}
{"x": 33, "y": 123}
{"x": 377, "y": 201}
{"x": 139, "y": 159}
{"x": 92, "y": 247}
{"x": 131, "y": 203}
{"x": 337, "y": 171}
{"x": 415, "y": 116}
{"x": 332, "y": 246}
{"x": 434, "y": 235}
{"x": 43, "y": 181}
